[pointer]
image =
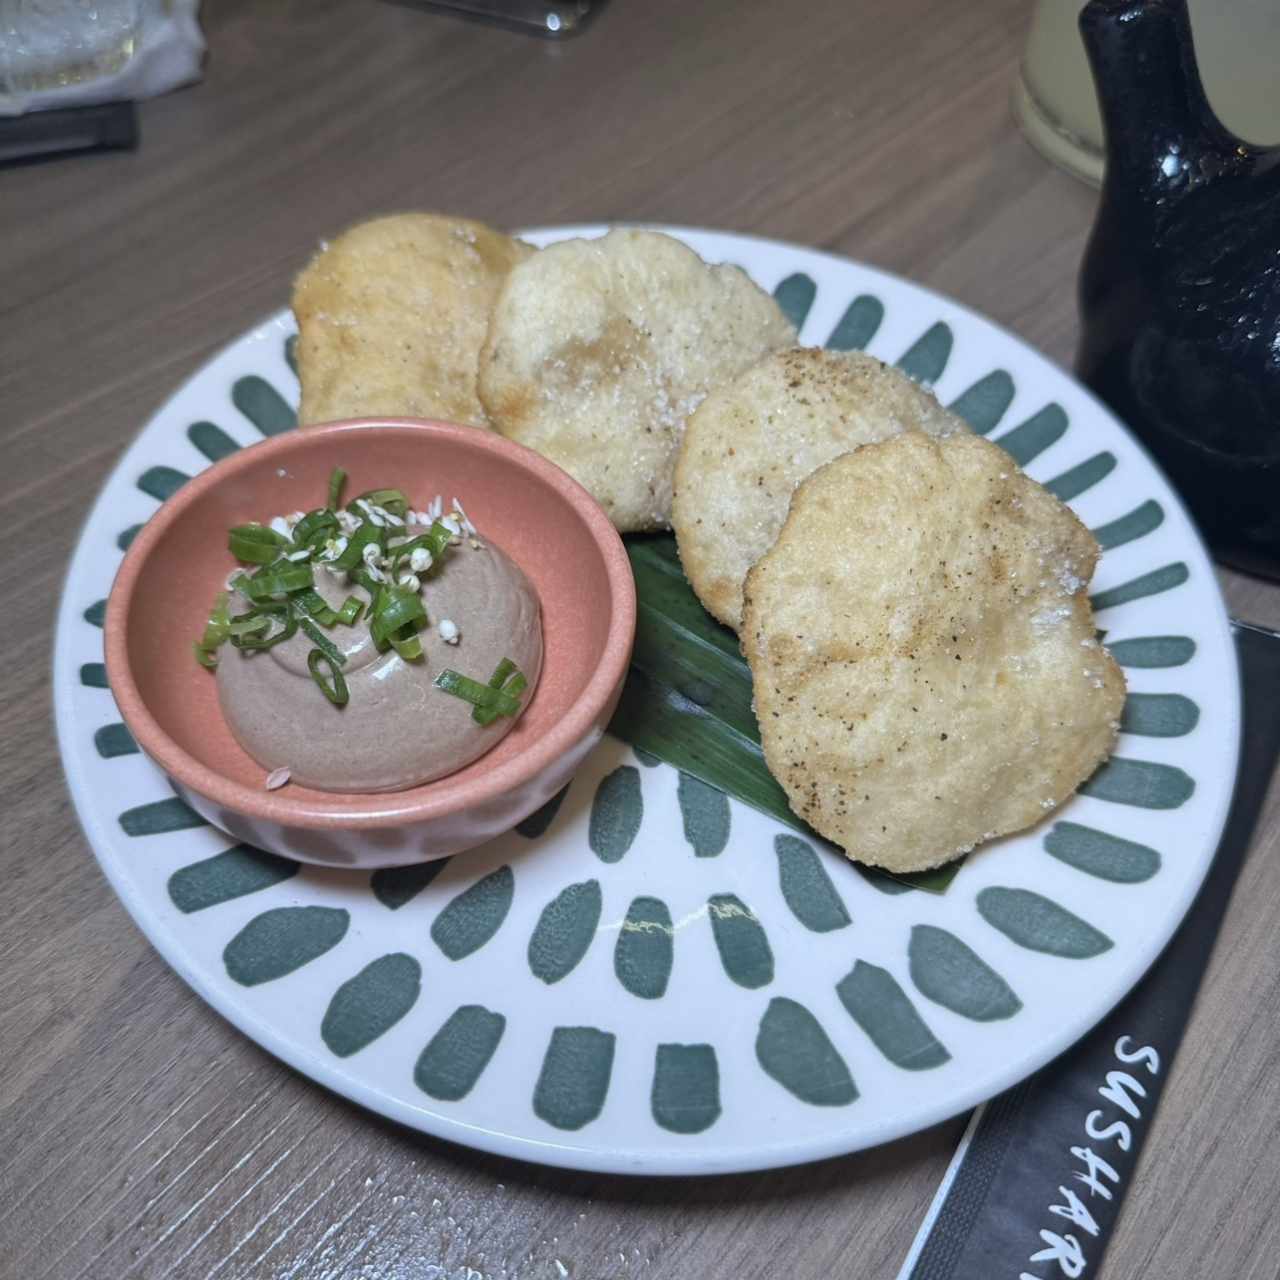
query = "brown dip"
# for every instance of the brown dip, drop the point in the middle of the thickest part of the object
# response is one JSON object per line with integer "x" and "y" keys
{"x": 397, "y": 730}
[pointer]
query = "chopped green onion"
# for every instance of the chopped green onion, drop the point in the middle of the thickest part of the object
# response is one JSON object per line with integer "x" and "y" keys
{"x": 500, "y": 673}
{"x": 314, "y": 604}
{"x": 392, "y": 500}
{"x": 479, "y": 695}
{"x": 256, "y": 544}
{"x": 335, "y": 688}
{"x": 323, "y": 643}
{"x": 352, "y": 608}
{"x": 367, "y": 533}
{"x": 215, "y": 630}
{"x": 337, "y": 478}
{"x": 205, "y": 657}
{"x": 256, "y": 641}
{"x": 510, "y": 679}
{"x": 280, "y": 579}
{"x": 249, "y": 624}
{"x": 394, "y": 608}
{"x": 361, "y": 576}
{"x": 314, "y": 527}
{"x": 407, "y": 643}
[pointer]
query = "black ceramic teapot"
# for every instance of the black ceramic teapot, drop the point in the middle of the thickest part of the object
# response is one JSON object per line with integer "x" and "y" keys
{"x": 1180, "y": 285}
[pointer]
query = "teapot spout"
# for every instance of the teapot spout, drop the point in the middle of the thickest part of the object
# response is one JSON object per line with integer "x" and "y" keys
{"x": 1162, "y": 137}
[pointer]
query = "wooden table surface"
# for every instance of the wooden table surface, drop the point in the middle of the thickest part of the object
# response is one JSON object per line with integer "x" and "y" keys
{"x": 140, "y": 1135}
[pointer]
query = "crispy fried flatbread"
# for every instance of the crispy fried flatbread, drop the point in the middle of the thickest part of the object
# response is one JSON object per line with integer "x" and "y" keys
{"x": 599, "y": 350}
{"x": 926, "y": 670}
{"x": 753, "y": 440}
{"x": 392, "y": 315}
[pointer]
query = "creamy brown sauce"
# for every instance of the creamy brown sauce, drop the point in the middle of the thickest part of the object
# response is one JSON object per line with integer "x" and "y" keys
{"x": 397, "y": 730}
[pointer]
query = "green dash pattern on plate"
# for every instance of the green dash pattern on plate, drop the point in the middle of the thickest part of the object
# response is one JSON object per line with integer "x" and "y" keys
{"x": 1153, "y": 651}
{"x": 645, "y": 950}
{"x": 1082, "y": 477}
{"x": 952, "y": 974}
{"x": 281, "y": 940}
{"x": 793, "y": 1048}
{"x": 1148, "y": 584}
{"x": 211, "y": 440}
{"x": 859, "y": 324}
{"x": 263, "y": 405}
{"x": 686, "y": 1087}
{"x": 161, "y": 483}
{"x": 475, "y": 915}
{"x": 1139, "y": 522}
{"x": 704, "y": 813}
{"x": 93, "y": 675}
{"x": 1030, "y": 439}
{"x": 878, "y": 1004}
{"x": 537, "y": 822}
{"x": 1144, "y": 783}
{"x": 794, "y": 297}
{"x": 394, "y": 886}
{"x": 926, "y": 358}
{"x": 231, "y": 874}
{"x": 1159, "y": 715}
{"x": 985, "y": 403}
{"x": 371, "y": 1002}
{"x": 458, "y": 1053}
{"x": 160, "y": 816}
{"x": 565, "y": 930}
{"x": 1039, "y": 924}
{"x": 574, "y": 1079}
{"x": 741, "y": 940}
{"x": 806, "y": 886}
{"x": 1100, "y": 854}
{"x": 616, "y": 814}
{"x": 114, "y": 740}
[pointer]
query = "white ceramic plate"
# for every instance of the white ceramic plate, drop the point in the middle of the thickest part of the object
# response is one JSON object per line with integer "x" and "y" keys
{"x": 659, "y": 980}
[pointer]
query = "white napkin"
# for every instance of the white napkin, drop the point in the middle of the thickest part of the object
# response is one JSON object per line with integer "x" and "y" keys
{"x": 168, "y": 56}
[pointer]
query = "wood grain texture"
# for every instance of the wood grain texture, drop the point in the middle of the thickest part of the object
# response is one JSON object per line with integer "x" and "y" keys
{"x": 142, "y": 1136}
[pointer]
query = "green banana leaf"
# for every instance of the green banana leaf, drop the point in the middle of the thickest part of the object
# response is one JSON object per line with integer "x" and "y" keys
{"x": 687, "y": 698}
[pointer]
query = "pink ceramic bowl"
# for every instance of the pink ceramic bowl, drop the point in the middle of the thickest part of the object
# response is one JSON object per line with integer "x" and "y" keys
{"x": 538, "y": 514}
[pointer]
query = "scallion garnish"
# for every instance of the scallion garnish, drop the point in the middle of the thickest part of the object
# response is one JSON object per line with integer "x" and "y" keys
{"x": 488, "y": 700}
{"x": 407, "y": 643}
{"x": 392, "y": 500}
{"x": 256, "y": 544}
{"x": 257, "y": 639}
{"x": 394, "y": 608}
{"x": 315, "y": 527}
{"x": 323, "y": 643}
{"x": 283, "y": 597}
{"x": 501, "y": 672}
{"x": 277, "y": 581}
{"x": 250, "y": 624}
{"x": 313, "y": 603}
{"x": 215, "y": 631}
{"x": 368, "y": 533}
{"x": 507, "y": 677}
{"x": 335, "y": 688}
{"x": 352, "y": 608}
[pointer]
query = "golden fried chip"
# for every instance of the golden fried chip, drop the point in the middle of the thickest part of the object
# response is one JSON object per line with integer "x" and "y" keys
{"x": 752, "y": 441}
{"x": 392, "y": 315}
{"x": 599, "y": 350}
{"x": 926, "y": 670}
